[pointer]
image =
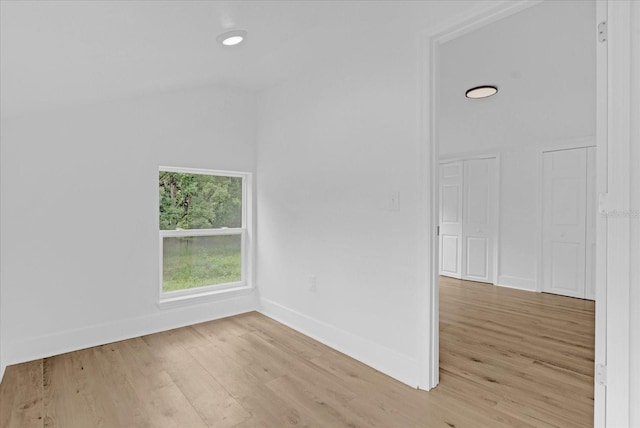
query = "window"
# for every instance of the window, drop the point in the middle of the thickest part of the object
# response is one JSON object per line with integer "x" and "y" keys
{"x": 204, "y": 236}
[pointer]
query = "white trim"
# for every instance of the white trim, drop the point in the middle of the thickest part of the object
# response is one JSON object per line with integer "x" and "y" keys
{"x": 634, "y": 180}
{"x": 174, "y": 299}
{"x": 217, "y": 172}
{"x": 571, "y": 143}
{"x": 618, "y": 407}
{"x": 428, "y": 337}
{"x": 539, "y": 220}
{"x": 200, "y": 232}
{"x": 480, "y": 154}
{"x": 478, "y": 17}
{"x": 600, "y": 355}
{"x": 249, "y": 224}
{"x": 95, "y": 335}
{"x": 386, "y": 360}
{"x": 2, "y": 370}
{"x": 518, "y": 283}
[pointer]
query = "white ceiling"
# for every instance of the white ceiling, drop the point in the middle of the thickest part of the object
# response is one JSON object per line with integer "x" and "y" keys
{"x": 543, "y": 61}
{"x": 63, "y": 52}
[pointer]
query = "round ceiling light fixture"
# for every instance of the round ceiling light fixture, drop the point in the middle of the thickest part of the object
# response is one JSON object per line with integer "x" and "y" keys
{"x": 483, "y": 91}
{"x": 231, "y": 38}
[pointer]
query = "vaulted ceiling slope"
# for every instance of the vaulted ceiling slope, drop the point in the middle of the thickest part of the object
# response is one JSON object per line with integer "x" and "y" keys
{"x": 56, "y": 53}
{"x": 545, "y": 70}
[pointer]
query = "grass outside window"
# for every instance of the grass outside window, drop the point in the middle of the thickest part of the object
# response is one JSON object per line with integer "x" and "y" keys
{"x": 198, "y": 261}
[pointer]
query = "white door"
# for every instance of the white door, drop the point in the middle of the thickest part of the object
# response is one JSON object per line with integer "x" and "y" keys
{"x": 467, "y": 195}
{"x": 451, "y": 219}
{"x": 479, "y": 184}
{"x": 564, "y": 208}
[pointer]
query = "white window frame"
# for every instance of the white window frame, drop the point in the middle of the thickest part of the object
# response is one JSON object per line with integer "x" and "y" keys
{"x": 171, "y": 298}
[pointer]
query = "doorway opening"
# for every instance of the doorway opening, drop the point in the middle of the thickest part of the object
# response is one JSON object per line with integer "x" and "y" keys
{"x": 529, "y": 112}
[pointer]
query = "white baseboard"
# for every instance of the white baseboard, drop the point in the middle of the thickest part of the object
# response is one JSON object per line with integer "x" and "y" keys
{"x": 2, "y": 369}
{"x": 385, "y": 360}
{"x": 526, "y": 284}
{"x": 85, "y": 337}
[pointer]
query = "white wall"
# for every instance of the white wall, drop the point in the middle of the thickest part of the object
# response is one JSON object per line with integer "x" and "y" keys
{"x": 518, "y": 212}
{"x": 333, "y": 146}
{"x": 634, "y": 357}
{"x": 80, "y": 214}
{"x": 543, "y": 62}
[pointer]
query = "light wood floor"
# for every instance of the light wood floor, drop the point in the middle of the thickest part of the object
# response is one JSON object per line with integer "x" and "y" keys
{"x": 508, "y": 359}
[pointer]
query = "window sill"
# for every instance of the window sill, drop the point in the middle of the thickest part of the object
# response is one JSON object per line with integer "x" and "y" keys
{"x": 205, "y": 296}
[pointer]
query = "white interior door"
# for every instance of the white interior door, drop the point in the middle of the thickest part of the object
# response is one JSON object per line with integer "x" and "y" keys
{"x": 479, "y": 185}
{"x": 451, "y": 219}
{"x": 564, "y": 207}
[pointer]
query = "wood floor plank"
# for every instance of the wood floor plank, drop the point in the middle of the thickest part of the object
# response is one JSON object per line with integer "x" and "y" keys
{"x": 265, "y": 407}
{"x": 509, "y": 358}
{"x": 314, "y": 403}
{"x": 79, "y": 391}
{"x": 110, "y": 398}
{"x": 210, "y": 400}
{"x": 21, "y": 401}
{"x": 155, "y": 391}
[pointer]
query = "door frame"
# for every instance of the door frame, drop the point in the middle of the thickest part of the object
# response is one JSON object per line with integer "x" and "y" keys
{"x": 461, "y": 157}
{"x": 614, "y": 335}
{"x": 611, "y": 402}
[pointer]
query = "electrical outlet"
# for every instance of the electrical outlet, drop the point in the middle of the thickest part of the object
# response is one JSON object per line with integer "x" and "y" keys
{"x": 313, "y": 284}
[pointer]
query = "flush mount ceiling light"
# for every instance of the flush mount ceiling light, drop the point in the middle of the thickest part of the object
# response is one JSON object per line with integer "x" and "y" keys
{"x": 483, "y": 91}
{"x": 232, "y": 38}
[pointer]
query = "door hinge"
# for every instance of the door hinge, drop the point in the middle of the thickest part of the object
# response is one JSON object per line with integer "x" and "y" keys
{"x": 437, "y": 230}
{"x": 602, "y": 32}
{"x": 601, "y": 374}
{"x": 603, "y": 204}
